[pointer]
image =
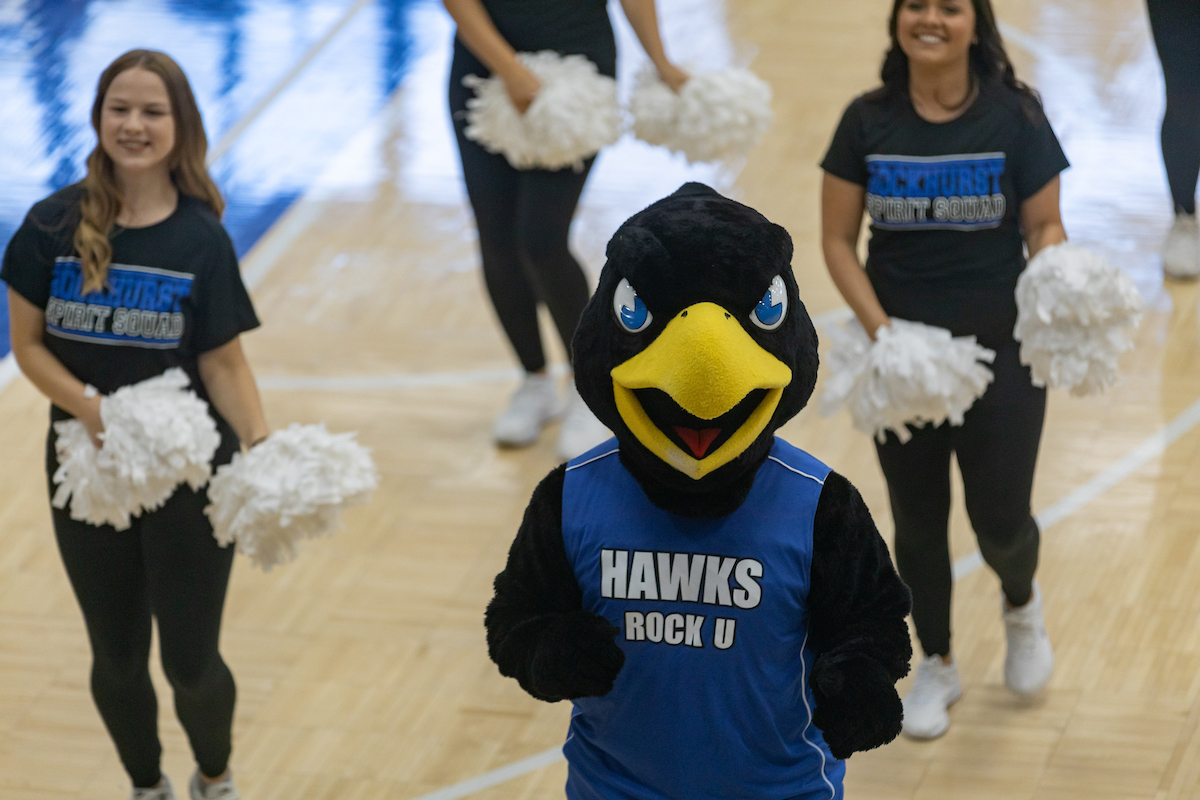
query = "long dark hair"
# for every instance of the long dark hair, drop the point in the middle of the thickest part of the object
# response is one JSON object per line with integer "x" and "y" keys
{"x": 988, "y": 59}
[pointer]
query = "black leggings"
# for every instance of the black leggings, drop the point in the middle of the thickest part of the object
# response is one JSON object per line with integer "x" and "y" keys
{"x": 996, "y": 447}
{"x": 1176, "y": 27}
{"x": 167, "y": 565}
{"x": 524, "y": 217}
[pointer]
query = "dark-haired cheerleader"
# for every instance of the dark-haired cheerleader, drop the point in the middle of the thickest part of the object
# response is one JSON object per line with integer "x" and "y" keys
{"x": 958, "y": 167}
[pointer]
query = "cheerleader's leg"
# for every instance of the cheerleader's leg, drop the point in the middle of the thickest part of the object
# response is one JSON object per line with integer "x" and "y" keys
{"x": 187, "y": 573}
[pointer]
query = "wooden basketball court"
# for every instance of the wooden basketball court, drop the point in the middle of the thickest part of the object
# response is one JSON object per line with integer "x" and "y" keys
{"x": 362, "y": 668}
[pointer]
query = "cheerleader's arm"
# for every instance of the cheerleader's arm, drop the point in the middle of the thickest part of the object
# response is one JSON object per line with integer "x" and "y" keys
{"x": 479, "y": 33}
{"x": 643, "y": 18}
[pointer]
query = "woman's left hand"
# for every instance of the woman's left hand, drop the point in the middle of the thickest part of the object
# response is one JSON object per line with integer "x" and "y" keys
{"x": 673, "y": 76}
{"x": 1041, "y": 220}
{"x": 521, "y": 84}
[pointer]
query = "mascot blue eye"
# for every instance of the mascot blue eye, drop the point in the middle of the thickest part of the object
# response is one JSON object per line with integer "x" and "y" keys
{"x": 771, "y": 310}
{"x": 630, "y": 310}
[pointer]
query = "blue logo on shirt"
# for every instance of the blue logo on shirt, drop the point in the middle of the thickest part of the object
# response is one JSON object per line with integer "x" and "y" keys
{"x": 958, "y": 192}
{"x": 141, "y": 306}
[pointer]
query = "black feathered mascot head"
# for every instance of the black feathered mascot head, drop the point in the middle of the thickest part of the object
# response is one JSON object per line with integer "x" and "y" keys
{"x": 696, "y": 347}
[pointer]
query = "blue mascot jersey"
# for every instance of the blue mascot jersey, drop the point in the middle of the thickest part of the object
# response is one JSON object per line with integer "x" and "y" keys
{"x": 713, "y": 700}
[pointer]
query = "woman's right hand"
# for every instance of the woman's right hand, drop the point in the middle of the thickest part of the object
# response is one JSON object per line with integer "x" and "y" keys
{"x": 873, "y": 326}
{"x": 672, "y": 76}
{"x": 842, "y": 206}
{"x": 89, "y": 415}
{"x": 522, "y": 86}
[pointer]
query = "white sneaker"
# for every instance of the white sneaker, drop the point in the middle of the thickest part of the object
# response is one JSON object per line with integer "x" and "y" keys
{"x": 935, "y": 689}
{"x": 221, "y": 790}
{"x": 1030, "y": 659}
{"x": 1181, "y": 250}
{"x": 161, "y": 792}
{"x": 581, "y": 431}
{"x": 535, "y": 403}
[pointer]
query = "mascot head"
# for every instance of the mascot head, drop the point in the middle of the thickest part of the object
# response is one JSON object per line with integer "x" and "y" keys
{"x": 696, "y": 347}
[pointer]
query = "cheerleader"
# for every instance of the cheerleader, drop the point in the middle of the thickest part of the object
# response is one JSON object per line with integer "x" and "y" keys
{"x": 112, "y": 281}
{"x": 957, "y": 166}
{"x": 524, "y": 216}
{"x": 1176, "y": 28}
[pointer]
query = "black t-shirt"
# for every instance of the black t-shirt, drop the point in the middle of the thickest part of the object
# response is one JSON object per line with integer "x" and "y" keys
{"x": 174, "y": 291}
{"x": 565, "y": 26}
{"x": 944, "y": 198}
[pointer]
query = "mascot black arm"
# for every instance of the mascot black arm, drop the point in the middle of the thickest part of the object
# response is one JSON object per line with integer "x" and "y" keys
{"x": 537, "y": 629}
{"x": 857, "y": 607}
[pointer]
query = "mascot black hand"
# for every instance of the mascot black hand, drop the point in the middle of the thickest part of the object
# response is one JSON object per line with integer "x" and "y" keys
{"x": 857, "y": 704}
{"x": 577, "y": 656}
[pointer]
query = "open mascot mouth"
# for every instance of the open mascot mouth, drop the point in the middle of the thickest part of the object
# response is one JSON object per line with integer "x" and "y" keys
{"x": 690, "y": 433}
{"x": 702, "y": 392}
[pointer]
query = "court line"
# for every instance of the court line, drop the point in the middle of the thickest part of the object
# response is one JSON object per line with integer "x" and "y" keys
{"x": 1147, "y": 451}
{"x": 1152, "y": 447}
{"x": 497, "y": 776}
{"x": 416, "y": 380}
{"x": 250, "y": 116}
{"x": 8, "y": 370}
{"x": 275, "y": 242}
{"x": 351, "y": 383}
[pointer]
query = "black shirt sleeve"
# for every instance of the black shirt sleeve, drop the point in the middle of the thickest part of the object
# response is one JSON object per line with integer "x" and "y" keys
{"x": 223, "y": 307}
{"x": 29, "y": 261}
{"x": 1039, "y": 156}
{"x": 845, "y": 157}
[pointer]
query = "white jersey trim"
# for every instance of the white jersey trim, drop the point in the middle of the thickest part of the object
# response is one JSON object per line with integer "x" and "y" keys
{"x": 808, "y": 708}
{"x": 793, "y": 469}
{"x": 593, "y": 458}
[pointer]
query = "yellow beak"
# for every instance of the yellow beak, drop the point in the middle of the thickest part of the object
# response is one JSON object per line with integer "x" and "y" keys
{"x": 707, "y": 363}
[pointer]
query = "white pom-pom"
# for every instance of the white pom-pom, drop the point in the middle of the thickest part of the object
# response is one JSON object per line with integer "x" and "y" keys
{"x": 1075, "y": 312}
{"x": 573, "y": 115}
{"x": 715, "y": 115}
{"x": 290, "y": 487}
{"x": 156, "y": 436}
{"x": 912, "y": 373}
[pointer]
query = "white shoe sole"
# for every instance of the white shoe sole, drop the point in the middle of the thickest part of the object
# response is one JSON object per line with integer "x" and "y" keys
{"x": 526, "y": 441}
{"x": 940, "y": 732}
{"x": 1034, "y": 692}
{"x": 1180, "y": 275}
{"x": 515, "y": 443}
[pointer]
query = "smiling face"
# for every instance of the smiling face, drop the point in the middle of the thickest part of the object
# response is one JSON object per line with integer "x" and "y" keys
{"x": 936, "y": 33}
{"x": 703, "y": 389}
{"x": 696, "y": 347}
{"x": 137, "y": 127}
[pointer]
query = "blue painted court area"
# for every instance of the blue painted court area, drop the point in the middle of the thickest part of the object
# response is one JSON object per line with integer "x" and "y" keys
{"x": 236, "y": 53}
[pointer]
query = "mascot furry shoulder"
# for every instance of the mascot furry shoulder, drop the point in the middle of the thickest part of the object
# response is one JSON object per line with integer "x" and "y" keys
{"x": 717, "y": 603}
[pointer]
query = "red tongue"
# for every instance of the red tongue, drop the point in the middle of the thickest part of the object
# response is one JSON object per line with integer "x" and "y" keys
{"x": 698, "y": 441}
